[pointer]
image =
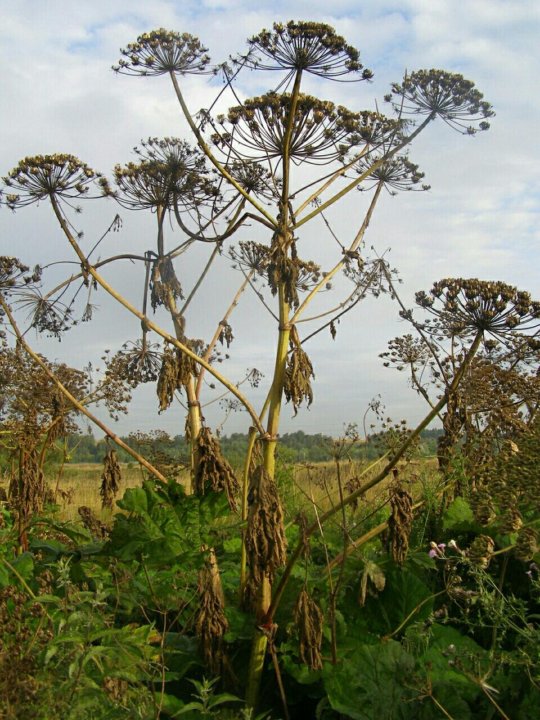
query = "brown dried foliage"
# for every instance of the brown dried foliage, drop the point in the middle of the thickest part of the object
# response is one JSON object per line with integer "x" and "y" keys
{"x": 27, "y": 489}
{"x": 176, "y": 370}
{"x": 92, "y": 523}
{"x": 266, "y": 544}
{"x": 210, "y": 621}
{"x": 400, "y": 522}
{"x": 309, "y": 620}
{"x": 213, "y": 472}
{"x": 298, "y": 374}
{"x": 110, "y": 479}
{"x": 164, "y": 283}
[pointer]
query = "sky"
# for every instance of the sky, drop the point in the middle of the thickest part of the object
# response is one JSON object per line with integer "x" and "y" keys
{"x": 480, "y": 218}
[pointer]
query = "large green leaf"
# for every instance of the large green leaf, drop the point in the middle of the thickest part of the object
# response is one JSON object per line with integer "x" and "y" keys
{"x": 439, "y": 668}
{"x": 404, "y": 599}
{"x": 459, "y": 517}
{"x": 370, "y": 684}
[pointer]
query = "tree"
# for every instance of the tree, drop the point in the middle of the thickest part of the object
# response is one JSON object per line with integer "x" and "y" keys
{"x": 281, "y": 160}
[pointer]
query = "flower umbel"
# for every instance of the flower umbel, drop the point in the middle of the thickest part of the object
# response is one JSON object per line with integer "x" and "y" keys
{"x": 310, "y": 46}
{"x": 170, "y": 171}
{"x": 321, "y": 131}
{"x": 163, "y": 51}
{"x": 396, "y": 174}
{"x": 466, "y": 306}
{"x": 46, "y": 176}
{"x": 446, "y": 95}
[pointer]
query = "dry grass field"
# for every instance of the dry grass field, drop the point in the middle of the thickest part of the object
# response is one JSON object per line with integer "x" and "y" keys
{"x": 313, "y": 484}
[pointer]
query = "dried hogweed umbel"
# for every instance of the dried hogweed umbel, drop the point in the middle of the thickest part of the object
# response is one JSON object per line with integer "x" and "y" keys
{"x": 47, "y": 176}
{"x": 266, "y": 544}
{"x": 309, "y": 46}
{"x": 213, "y": 472}
{"x": 163, "y": 51}
{"x": 446, "y": 95}
{"x": 110, "y": 479}
{"x": 309, "y": 620}
{"x": 400, "y": 522}
{"x": 210, "y": 621}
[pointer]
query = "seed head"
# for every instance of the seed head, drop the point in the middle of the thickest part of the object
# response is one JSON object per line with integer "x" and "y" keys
{"x": 163, "y": 51}
{"x": 446, "y": 95}
{"x": 312, "y": 47}
{"x": 170, "y": 172}
{"x": 321, "y": 131}
{"x": 396, "y": 174}
{"x": 466, "y": 306}
{"x": 47, "y": 176}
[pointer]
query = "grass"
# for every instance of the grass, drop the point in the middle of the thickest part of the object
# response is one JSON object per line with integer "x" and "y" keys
{"x": 311, "y": 484}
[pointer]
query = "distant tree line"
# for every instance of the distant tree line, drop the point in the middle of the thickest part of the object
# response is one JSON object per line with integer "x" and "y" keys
{"x": 295, "y": 447}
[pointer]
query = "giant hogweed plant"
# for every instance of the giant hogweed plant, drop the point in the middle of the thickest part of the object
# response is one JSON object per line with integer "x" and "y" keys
{"x": 499, "y": 394}
{"x": 282, "y": 161}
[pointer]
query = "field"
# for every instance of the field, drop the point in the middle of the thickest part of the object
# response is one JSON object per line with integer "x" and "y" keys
{"x": 308, "y": 485}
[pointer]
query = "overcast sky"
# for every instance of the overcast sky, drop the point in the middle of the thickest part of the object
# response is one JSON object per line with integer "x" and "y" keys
{"x": 480, "y": 219}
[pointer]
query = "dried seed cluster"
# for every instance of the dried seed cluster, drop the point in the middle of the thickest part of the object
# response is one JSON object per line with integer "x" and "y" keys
{"x": 164, "y": 283}
{"x": 298, "y": 373}
{"x": 507, "y": 490}
{"x": 446, "y": 95}
{"x": 396, "y": 174}
{"x": 213, "y": 472}
{"x": 176, "y": 370}
{"x": 89, "y": 520}
{"x": 321, "y": 131}
{"x": 28, "y": 489}
{"x": 163, "y": 51}
{"x": 400, "y": 522}
{"x": 170, "y": 174}
{"x": 466, "y": 306}
{"x": 210, "y": 621}
{"x": 309, "y": 46}
{"x": 110, "y": 479}
{"x": 266, "y": 544}
{"x": 46, "y": 176}
{"x": 480, "y": 551}
{"x": 309, "y": 621}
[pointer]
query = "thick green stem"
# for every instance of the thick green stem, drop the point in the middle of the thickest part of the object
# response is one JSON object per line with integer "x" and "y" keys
{"x": 252, "y": 438}
{"x": 260, "y": 639}
{"x": 283, "y": 236}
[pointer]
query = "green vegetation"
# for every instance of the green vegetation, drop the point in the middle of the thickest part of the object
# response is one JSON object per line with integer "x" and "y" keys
{"x": 295, "y": 447}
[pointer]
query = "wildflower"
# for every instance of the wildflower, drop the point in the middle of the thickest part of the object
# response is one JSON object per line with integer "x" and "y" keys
{"x": 437, "y": 550}
{"x": 452, "y": 544}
